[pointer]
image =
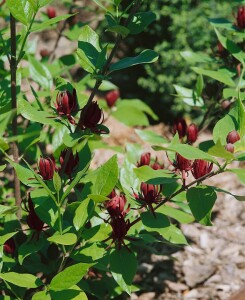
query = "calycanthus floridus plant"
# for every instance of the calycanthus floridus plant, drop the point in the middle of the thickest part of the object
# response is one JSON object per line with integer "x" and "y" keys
{"x": 68, "y": 230}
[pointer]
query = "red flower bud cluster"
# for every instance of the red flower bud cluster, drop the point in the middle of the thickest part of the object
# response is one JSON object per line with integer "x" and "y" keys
{"x": 47, "y": 167}
{"x": 232, "y": 137}
{"x": 221, "y": 51}
{"x": 71, "y": 164}
{"x": 32, "y": 219}
{"x": 201, "y": 168}
{"x": 66, "y": 104}
{"x": 190, "y": 132}
{"x": 240, "y": 18}
{"x": 51, "y": 12}
{"x": 92, "y": 116}
{"x": 9, "y": 246}
{"x": 145, "y": 160}
{"x": 116, "y": 209}
{"x": 111, "y": 97}
{"x": 150, "y": 194}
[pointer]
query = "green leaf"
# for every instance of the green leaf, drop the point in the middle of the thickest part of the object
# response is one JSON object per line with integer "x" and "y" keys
{"x": 100, "y": 4}
{"x": 150, "y": 137}
{"x": 83, "y": 213}
{"x": 41, "y": 296}
{"x": 5, "y": 119}
{"x": 187, "y": 95}
{"x": 29, "y": 112}
{"x": 28, "y": 248}
{"x": 123, "y": 266}
{"x": 145, "y": 57}
{"x": 239, "y": 198}
{"x": 89, "y": 253}
{"x": 44, "y": 2}
{"x": 140, "y": 21}
{"x": 7, "y": 210}
{"x": 241, "y": 117}
{"x": 105, "y": 177}
{"x": 187, "y": 151}
{"x": 201, "y": 201}
{"x": 22, "y": 280}
{"x": 98, "y": 198}
{"x": 221, "y": 75}
{"x": 97, "y": 233}
{"x": 57, "y": 182}
{"x": 147, "y": 174}
{"x": 63, "y": 239}
{"x": 199, "y": 86}
{"x": 176, "y": 214}
{"x": 21, "y": 10}
{"x": 40, "y": 73}
{"x": 218, "y": 150}
{"x": 240, "y": 174}
{"x": 73, "y": 293}
{"x": 46, "y": 24}
{"x": 88, "y": 35}
{"x": 162, "y": 225}
{"x": 119, "y": 29}
{"x": 222, "y": 23}
{"x": 7, "y": 236}
{"x": 69, "y": 277}
{"x": 75, "y": 181}
{"x": 24, "y": 174}
{"x": 85, "y": 62}
{"x": 231, "y": 47}
{"x": 194, "y": 58}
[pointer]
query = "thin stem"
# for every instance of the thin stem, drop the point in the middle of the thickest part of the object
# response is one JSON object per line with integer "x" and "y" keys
{"x": 15, "y": 150}
{"x": 25, "y": 39}
{"x": 60, "y": 224}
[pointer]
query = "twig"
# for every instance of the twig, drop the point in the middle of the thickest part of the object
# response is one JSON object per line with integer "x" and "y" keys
{"x": 182, "y": 189}
{"x": 15, "y": 150}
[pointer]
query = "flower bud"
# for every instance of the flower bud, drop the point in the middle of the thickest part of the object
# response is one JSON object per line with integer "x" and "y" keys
{"x": 93, "y": 116}
{"x": 145, "y": 159}
{"x": 221, "y": 51}
{"x": 182, "y": 163}
{"x": 51, "y": 12}
{"x": 200, "y": 168}
{"x": 71, "y": 163}
{"x": 240, "y": 18}
{"x": 157, "y": 166}
{"x": 180, "y": 127}
{"x": 47, "y": 167}
{"x": 192, "y": 132}
{"x": 32, "y": 219}
{"x": 232, "y": 137}
{"x": 225, "y": 104}
{"x": 120, "y": 228}
{"x": 44, "y": 53}
{"x": 111, "y": 97}
{"x": 115, "y": 206}
{"x": 66, "y": 104}
{"x": 230, "y": 148}
{"x": 9, "y": 246}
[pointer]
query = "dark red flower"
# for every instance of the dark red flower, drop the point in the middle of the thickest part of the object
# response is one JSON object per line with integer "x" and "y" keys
{"x": 92, "y": 116}
{"x": 180, "y": 126}
{"x": 71, "y": 163}
{"x": 47, "y": 167}
{"x": 111, "y": 97}
{"x": 230, "y": 148}
{"x": 32, "y": 219}
{"x": 9, "y": 246}
{"x": 221, "y": 51}
{"x": 157, "y": 166}
{"x": 240, "y": 18}
{"x": 149, "y": 194}
{"x": 51, "y": 12}
{"x": 116, "y": 205}
{"x": 192, "y": 132}
{"x": 112, "y": 194}
{"x": 120, "y": 228}
{"x": 145, "y": 159}
{"x": 200, "y": 168}
{"x": 66, "y": 104}
{"x": 181, "y": 164}
{"x": 232, "y": 137}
